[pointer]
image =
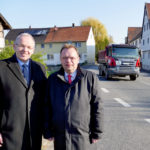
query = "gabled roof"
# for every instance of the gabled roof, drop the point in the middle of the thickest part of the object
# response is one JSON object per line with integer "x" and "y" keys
{"x": 133, "y": 32}
{"x": 65, "y": 34}
{"x": 147, "y": 5}
{"x": 4, "y": 22}
{"x": 146, "y": 11}
{"x": 39, "y": 34}
{"x": 139, "y": 35}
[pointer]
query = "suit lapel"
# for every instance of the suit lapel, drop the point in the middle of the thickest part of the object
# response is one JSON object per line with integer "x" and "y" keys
{"x": 14, "y": 67}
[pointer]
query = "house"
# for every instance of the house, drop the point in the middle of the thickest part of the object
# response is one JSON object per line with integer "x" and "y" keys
{"x": 145, "y": 44}
{"x": 137, "y": 40}
{"x": 39, "y": 35}
{"x": 134, "y": 36}
{"x": 50, "y": 40}
{"x": 80, "y": 36}
{"x": 4, "y": 25}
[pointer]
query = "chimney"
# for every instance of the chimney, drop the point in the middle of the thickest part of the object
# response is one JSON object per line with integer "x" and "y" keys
{"x": 55, "y": 28}
{"x": 73, "y": 25}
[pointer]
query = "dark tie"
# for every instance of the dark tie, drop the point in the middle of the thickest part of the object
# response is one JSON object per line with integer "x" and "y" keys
{"x": 69, "y": 78}
{"x": 25, "y": 72}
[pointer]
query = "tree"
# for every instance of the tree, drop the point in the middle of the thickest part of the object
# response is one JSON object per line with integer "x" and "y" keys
{"x": 100, "y": 33}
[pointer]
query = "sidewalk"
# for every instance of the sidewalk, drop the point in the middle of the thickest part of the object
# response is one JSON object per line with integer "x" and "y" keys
{"x": 47, "y": 145}
{"x": 146, "y": 71}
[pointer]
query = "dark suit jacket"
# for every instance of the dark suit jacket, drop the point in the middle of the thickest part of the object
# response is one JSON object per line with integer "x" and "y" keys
{"x": 17, "y": 100}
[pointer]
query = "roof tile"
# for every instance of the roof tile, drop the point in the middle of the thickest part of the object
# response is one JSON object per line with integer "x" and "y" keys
{"x": 64, "y": 34}
{"x": 133, "y": 32}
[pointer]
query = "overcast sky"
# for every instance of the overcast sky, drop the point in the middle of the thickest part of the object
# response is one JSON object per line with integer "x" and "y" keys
{"x": 116, "y": 15}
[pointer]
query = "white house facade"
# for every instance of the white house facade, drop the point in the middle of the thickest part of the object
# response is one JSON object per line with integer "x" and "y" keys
{"x": 145, "y": 42}
{"x": 90, "y": 43}
{"x": 80, "y": 36}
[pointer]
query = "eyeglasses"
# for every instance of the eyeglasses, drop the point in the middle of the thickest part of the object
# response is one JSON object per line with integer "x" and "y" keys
{"x": 23, "y": 46}
{"x": 71, "y": 58}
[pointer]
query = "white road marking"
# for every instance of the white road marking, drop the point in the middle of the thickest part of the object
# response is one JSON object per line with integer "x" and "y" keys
{"x": 148, "y": 120}
{"x": 104, "y": 90}
{"x": 122, "y": 102}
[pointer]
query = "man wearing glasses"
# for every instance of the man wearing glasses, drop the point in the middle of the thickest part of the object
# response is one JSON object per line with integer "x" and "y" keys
{"x": 22, "y": 84}
{"x": 73, "y": 108}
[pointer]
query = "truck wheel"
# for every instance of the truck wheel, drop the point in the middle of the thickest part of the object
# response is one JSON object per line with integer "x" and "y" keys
{"x": 107, "y": 76}
{"x": 132, "y": 77}
{"x": 100, "y": 72}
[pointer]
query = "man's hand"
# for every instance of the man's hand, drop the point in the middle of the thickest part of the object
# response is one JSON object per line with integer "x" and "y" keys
{"x": 1, "y": 140}
{"x": 94, "y": 140}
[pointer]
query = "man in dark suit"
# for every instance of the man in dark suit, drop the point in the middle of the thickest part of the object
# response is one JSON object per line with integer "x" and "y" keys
{"x": 73, "y": 110}
{"x": 22, "y": 86}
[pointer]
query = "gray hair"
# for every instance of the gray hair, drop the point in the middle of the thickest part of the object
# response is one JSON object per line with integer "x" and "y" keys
{"x": 24, "y": 34}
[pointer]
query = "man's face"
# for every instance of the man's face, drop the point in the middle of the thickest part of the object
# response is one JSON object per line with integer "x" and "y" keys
{"x": 24, "y": 48}
{"x": 69, "y": 60}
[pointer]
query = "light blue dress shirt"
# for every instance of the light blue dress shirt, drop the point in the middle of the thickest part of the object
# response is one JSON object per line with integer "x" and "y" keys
{"x": 73, "y": 75}
{"x": 22, "y": 63}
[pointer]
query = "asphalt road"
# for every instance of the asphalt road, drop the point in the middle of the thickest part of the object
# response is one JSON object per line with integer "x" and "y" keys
{"x": 126, "y": 113}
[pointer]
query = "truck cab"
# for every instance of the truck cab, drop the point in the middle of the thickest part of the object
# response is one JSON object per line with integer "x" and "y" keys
{"x": 119, "y": 60}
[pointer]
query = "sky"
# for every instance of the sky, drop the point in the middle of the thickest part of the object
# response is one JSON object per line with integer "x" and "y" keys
{"x": 115, "y": 15}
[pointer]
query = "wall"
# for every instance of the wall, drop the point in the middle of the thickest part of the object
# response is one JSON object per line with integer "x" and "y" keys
{"x": 91, "y": 48}
{"x": 54, "y": 52}
{"x": 146, "y": 46}
{"x": 2, "y": 40}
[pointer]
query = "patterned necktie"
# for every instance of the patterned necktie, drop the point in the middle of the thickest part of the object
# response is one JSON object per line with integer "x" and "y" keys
{"x": 69, "y": 78}
{"x": 25, "y": 72}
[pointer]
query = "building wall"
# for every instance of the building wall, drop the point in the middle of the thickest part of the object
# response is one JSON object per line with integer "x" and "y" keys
{"x": 145, "y": 43}
{"x": 136, "y": 43}
{"x": 90, "y": 48}
{"x": 51, "y": 52}
{"x": 146, "y": 60}
{"x": 2, "y": 40}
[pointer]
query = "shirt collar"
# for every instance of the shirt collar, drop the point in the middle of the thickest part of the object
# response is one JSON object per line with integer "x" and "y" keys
{"x": 21, "y": 62}
{"x": 73, "y": 75}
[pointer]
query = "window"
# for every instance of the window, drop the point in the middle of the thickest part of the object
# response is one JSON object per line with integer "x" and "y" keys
{"x": 50, "y": 56}
{"x": 50, "y": 45}
{"x": 77, "y": 44}
{"x": 143, "y": 42}
{"x": 69, "y": 42}
{"x": 145, "y": 13}
{"x": 136, "y": 43}
{"x": 149, "y": 54}
{"x": 42, "y": 45}
{"x": 109, "y": 51}
{"x": 143, "y": 55}
{"x": 147, "y": 40}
